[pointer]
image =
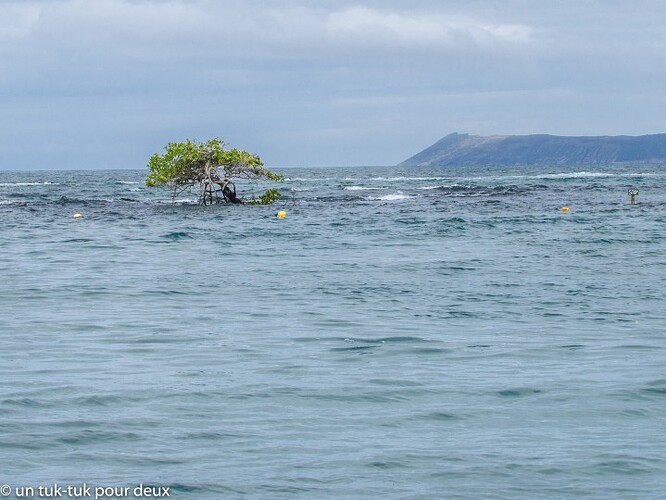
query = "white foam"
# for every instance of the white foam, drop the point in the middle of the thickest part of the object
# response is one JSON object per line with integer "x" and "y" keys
{"x": 178, "y": 201}
{"x": 390, "y": 197}
{"x": 574, "y": 175}
{"x": 360, "y": 188}
{"x": 7, "y": 184}
{"x": 309, "y": 179}
{"x": 400, "y": 178}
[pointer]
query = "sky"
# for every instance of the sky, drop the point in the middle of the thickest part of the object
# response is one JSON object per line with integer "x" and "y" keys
{"x": 90, "y": 84}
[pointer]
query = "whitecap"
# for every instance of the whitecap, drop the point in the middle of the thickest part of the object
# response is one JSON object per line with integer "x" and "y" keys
{"x": 359, "y": 188}
{"x": 178, "y": 201}
{"x": 390, "y": 197}
{"x": 574, "y": 175}
{"x": 399, "y": 179}
{"x": 308, "y": 179}
{"x": 8, "y": 184}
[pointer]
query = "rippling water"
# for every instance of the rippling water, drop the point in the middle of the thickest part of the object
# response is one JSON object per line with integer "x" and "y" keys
{"x": 402, "y": 333}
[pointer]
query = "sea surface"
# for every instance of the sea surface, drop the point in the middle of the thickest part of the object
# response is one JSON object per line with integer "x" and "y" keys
{"x": 401, "y": 333}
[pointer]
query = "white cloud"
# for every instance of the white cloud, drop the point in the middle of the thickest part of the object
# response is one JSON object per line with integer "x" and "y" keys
{"x": 390, "y": 28}
{"x": 17, "y": 19}
{"x": 361, "y": 24}
{"x": 510, "y": 32}
{"x": 118, "y": 26}
{"x": 205, "y": 28}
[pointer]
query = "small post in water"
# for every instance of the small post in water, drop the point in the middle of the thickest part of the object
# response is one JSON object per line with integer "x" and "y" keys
{"x": 632, "y": 193}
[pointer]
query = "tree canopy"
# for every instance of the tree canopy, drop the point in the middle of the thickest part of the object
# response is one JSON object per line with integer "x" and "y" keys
{"x": 186, "y": 165}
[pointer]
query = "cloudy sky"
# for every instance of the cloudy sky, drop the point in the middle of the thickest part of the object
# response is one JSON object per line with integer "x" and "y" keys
{"x": 105, "y": 83}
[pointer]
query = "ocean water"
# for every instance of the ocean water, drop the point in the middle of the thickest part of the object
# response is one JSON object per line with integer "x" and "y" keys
{"x": 402, "y": 333}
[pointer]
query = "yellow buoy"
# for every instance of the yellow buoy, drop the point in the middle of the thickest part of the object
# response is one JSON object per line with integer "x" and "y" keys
{"x": 281, "y": 214}
{"x": 564, "y": 209}
{"x": 77, "y": 216}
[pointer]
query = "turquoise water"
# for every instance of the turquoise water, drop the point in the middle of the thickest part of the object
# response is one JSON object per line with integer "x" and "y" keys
{"x": 402, "y": 333}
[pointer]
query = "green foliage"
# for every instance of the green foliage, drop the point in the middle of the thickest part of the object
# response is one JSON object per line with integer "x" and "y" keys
{"x": 184, "y": 165}
{"x": 181, "y": 162}
{"x": 268, "y": 197}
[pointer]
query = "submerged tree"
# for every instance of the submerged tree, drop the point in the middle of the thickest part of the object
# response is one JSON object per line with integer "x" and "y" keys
{"x": 186, "y": 165}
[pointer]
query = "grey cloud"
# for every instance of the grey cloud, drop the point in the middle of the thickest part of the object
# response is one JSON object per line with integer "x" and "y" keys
{"x": 328, "y": 82}
{"x": 237, "y": 28}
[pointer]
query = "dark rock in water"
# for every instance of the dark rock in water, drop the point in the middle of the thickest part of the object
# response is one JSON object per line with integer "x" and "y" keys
{"x": 471, "y": 150}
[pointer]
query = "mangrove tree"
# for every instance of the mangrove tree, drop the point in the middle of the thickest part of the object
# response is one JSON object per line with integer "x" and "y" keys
{"x": 210, "y": 169}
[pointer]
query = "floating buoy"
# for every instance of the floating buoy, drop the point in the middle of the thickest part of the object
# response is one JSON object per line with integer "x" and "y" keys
{"x": 77, "y": 216}
{"x": 281, "y": 214}
{"x": 564, "y": 209}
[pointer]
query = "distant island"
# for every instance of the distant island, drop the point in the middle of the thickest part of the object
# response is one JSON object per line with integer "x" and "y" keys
{"x": 475, "y": 150}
